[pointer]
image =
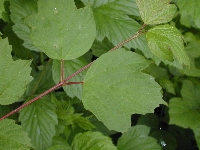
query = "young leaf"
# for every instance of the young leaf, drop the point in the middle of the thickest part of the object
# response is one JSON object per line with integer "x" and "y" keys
{"x": 70, "y": 66}
{"x": 61, "y": 30}
{"x": 13, "y": 137}
{"x": 185, "y": 112}
{"x": 165, "y": 41}
{"x": 156, "y": 11}
{"x": 14, "y": 75}
{"x": 92, "y": 141}
{"x": 39, "y": 120}
{"x": 20, "y": 9}
{"x": 189, "y": 11}
{"x": 137, "y": 138}
{"x": 114, "y": 88}
{"x": 113, "y": 22}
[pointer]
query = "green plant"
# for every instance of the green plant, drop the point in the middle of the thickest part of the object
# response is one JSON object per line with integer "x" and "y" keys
{"x": 146, "y": 87}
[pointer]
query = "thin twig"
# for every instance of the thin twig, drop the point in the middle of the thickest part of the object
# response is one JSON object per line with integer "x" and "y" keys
{"x": 64, "y": 82}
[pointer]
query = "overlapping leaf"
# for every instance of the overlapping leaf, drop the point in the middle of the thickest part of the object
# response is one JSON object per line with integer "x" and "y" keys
{"x": 189, "y": 11}
{"x": 14, "y": 75}
{"x": 92, "y": 141}
{"x": 113, "y": 22}
{"x": 20, "y": 9}
{"x": 165, "y": 41}
{"x": 114, "y": 88}
{"x": 13, "y": 137}
{"x": 60, "y": 30}
{"x": 156, "y": 11}
{"x": 39, "y": 120}
{"x": 70, "y": 66}
{"x": 99, "y": 48}
{"x": 137, "y": 138}
{"x": 193, "y": 51}
{"x": 185, "y": 112}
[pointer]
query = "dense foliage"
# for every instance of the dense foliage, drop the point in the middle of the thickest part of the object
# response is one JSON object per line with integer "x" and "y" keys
{"x": 143, "y": 94}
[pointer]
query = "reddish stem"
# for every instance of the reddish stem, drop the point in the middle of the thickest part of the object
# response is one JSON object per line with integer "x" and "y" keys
{"x": 64, "y": 82}
{"x": 33, "y": 100}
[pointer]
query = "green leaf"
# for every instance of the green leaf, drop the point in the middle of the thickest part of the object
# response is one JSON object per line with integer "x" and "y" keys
{"x": 197, "y": 135}
{"x": 42, "y": 81}
{"x": 167, "y": 85}
{"x": 61, "y": 30}
{"x": 189, "y": 11}
{"x": 39, "y": 120}
{"x": 19, "y": 10}
{"x": 193, "y": 51}
{"x": 156, "y": 11}
{"x": 70, "y": 66}
{"x": 113, "y": 22}
{"x": 185, "y": 112}
{"x": 137, "y": 138}
{"x": 1, "y": 7}
{"x": 99, "y": 48}
{"x": 19, "y": 50}
{"x": 13, "y": 75}
{"x": 151, "y": 120}
{"x": 92, "y": 141}
{"x": 114, "y": 88}
{"x": 59, "y": 147}
{"x": 165, "y": 41}
{"x": 12, "y": 137}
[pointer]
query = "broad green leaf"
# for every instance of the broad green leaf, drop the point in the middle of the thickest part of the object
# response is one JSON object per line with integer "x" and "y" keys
{"x": 14, "y": 75}
{"x": 92, "y": 141}
{"x": 137, "y": 138}
{"x": 12, "y": 137}
{"x": 39, "y": 120}
{"x": 156, "y": 11}
{"x": 61, "y": 30}
{"x": 59, "y": 147}
{"x": 185, "y": 112}
{"x": 165, "y": 41}
{"x": 70, "y": 66}
{"x": 113, "y": 22}
{"x": 20, "y": 9}
{"x": 189, "y": 11}
{"x": 114, "y": 88}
